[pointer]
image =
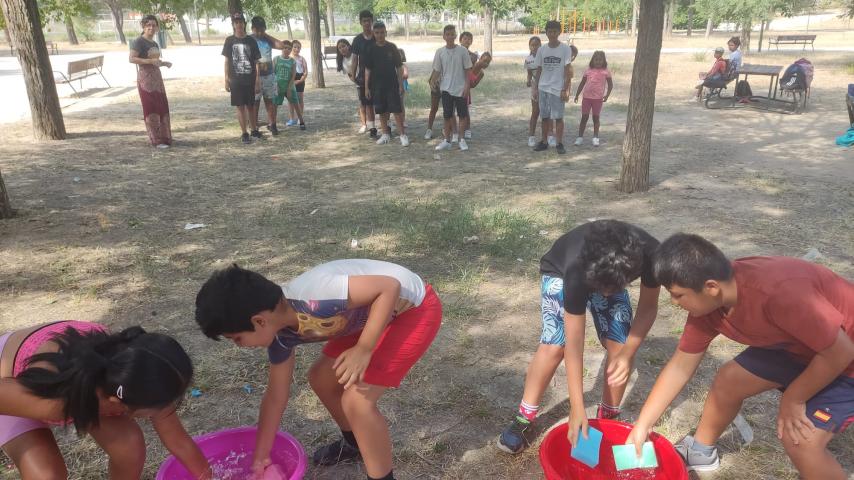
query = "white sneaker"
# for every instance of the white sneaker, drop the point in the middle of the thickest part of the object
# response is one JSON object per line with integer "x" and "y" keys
{"x": 455, "y": 138}
{"x": 579, "y": 141}
{"x": 363, "y": 129}
{"x": 532, "y": 141}
{"x": 467, "y": 134}
{"x": 162, "y": 146}
{"x": 463, "y": 145}
{"x": 552, "y": 141}
{"x": 404, "y": 140}
{"x": 428, "y": 134}
{"x": 595, "y": 141}
{"x": 384, "y": 138}
{"x": 445, "y": 145}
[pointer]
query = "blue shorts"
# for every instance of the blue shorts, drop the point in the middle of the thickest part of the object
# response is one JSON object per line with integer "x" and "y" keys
{"x": 612, "y": 315}
{"x": 830, "y": 409}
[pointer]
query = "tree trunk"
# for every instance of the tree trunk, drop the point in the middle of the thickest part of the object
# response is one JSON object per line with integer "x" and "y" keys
{"x": 708, "y": 27}
{"x": 690, "y": 19}
{"x": 488, "y": 15}
{"x": 668, "y": 18}
{"x": 8, "y": 37}
{"x": 234, "y": 6}
{"x": 634, "y": 175}
{"x": 316, "y": 46}
{"x": 69, "y": 29}
{"x": 406, "y": 24}
{"x": 290, "y": 31}
{"x": 325, "y": 25}
{"x": 5, "y": 205}
{"x": 307, "y": 25}
{"x": 330, "y": 17}
{"x": 746, "y": 28}
{"x": 761, "y": 32}
{"x": 118, "y": 19}
{"x": 22, "y": 20}
{"x": 185, "y": 29}
{"x": 424, "y": 25}
{"x": 635, "y": 8}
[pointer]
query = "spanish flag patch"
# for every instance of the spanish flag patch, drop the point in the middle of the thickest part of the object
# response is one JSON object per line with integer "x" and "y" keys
{"x": 823, "y": 416}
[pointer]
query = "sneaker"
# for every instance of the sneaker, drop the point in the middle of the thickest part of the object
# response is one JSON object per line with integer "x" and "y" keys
{"x": 467, "y": 134}
{"x": 532, "y": 141}
{"x": 336, "y": 452}
{"x": 694, "y": 460}
{"x": 163, "y": 146}
{"x": 463, "y": 145}
{"x": 374, "y": 133}
{"x": 428, "y": 134}
{"x": 404, "y": 140}
{"x": 540, "y": 147}
{"x": 552, "y": 141}
{"x": 302, "y": 126}
{"x": 579, "y": 141}
{"x": 256, "y": 134}
{"x": 245, "y": 138}
{"x": 384, "y": 138}
{"x": 455, "y": 138}
{"x": 560, "y": 149}
{"x": 595, "y": 141}
{"x": 274, "y": 130}
{"x": 514, "y": 439}
{"x": 290, "y": 123}
{"x": 363, "y": 129}
{"x": 445, "y": 145}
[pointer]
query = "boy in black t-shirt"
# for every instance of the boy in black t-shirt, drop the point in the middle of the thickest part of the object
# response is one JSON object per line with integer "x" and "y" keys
{"x": 241, "y": 75}
{"x": 588, "y": 268}
{"x": 357, "y": 69}
{"x": 384, "y": 83}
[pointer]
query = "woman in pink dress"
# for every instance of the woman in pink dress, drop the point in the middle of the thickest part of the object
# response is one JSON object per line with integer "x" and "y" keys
{"x": 145, "y": 54}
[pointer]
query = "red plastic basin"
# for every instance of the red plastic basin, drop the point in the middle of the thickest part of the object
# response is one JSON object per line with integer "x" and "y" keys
{"x": 559, "y": 465}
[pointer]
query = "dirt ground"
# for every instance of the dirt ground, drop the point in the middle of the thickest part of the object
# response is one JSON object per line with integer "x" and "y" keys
{"x": 100, "y": 236}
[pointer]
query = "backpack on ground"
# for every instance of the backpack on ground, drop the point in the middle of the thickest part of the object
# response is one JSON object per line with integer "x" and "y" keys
{"x": 742, "y": 89}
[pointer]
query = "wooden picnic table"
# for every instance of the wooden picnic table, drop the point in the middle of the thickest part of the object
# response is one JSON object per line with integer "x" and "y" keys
{"x": 772, "y": 71}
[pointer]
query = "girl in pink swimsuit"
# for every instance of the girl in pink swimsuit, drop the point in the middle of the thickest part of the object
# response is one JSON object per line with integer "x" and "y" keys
{"x": 77, "y": 373}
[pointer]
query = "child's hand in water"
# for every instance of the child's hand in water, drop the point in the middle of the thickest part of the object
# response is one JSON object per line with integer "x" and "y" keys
{"x": 259, "y": 469}
{"x": 350, "y": 366}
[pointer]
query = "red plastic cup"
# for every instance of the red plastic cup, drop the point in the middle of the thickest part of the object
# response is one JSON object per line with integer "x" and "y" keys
{"x": 559, "y": 465}
{"x": 230, "y": 455}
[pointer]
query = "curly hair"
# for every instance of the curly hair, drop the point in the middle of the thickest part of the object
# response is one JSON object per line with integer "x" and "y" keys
{"x": 612, "y": 256}
{"x": 230, "y": 297}
{"x": 689, "y": 261}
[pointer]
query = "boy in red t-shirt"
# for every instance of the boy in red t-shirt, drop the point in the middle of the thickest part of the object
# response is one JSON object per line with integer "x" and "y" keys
{"x": 717, "y": 72}
{"x": 797, "y": 319}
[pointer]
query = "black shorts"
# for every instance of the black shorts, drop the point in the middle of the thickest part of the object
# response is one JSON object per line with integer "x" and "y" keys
{"x": 360, "y": 89}
{"x": 242, "y": 94}
{"x": 300, "y": 86}
{"x": 451, "y": 103}
{"x": 387, "y": 101}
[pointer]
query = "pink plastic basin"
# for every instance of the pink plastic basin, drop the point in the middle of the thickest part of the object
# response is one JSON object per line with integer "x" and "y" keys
{"x": 559, "y": 465}
{"x": 230, "y": 454}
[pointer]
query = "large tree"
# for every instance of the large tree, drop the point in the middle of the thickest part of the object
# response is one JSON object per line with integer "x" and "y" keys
{"x": 5, "y": 205}
{"x": 634, "y": 175}
{"x": 118, "y": 14}
{"x": 23, "y": 21}
{"x": 316, "y": 45}
{"x": 64, "y": 11}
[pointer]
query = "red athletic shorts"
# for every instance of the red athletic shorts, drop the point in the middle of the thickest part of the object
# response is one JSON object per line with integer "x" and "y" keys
{"x": 594, "y": 104}
{"x": 402, "y": 343}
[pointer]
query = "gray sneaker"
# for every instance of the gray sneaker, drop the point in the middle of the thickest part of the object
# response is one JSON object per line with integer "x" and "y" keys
{"x": 696, "y": 460}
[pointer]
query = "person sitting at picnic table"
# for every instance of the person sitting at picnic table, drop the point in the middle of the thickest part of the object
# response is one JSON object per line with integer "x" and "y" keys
{"x": 717, "y": 72}
{"x": 734, "y": 45}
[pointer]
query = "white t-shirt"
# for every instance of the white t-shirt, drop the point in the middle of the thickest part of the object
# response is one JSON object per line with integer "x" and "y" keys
{"x": 452, "y": 63}
{"x": 319, "y": 296}
{"x": 531, "y": 62}
{"x": 346, "y": 62}
{"x": 735, "y": 59}
{"x": 553, "y": 61}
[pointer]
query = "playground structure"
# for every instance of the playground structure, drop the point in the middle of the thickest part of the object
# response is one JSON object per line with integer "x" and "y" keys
{"x": 576, "y": 22}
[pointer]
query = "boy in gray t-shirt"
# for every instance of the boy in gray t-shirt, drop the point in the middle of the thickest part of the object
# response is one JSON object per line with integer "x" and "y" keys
{"x": 451, "y": 66}
{"x": 553, "y": 79}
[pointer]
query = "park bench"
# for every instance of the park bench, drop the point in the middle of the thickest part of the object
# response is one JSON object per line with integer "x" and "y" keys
{"x": 80, "y": 69}
{"x": 52, "y": 48}
{"x": 329, "y": 51}
{"x": 714, "y": 97}
{"x": 792, "y": 40}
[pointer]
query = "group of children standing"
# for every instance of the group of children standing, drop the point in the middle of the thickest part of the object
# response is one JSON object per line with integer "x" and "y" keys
{"x": 378, "y": 319}
{"x": 252, "y": 74}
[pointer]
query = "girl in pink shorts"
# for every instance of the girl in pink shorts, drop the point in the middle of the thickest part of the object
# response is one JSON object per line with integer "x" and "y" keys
{"x": 593, "y": 85}
{"x": 77, "y": 373}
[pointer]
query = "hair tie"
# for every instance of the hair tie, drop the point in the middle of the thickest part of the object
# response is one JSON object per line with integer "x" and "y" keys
{"x": 120, "y": 393}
